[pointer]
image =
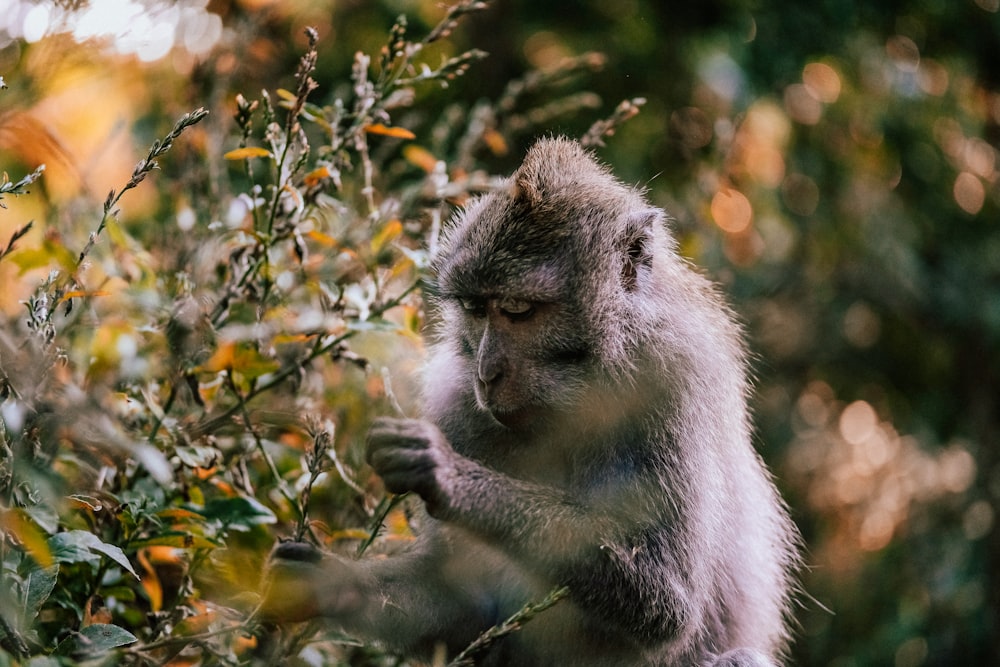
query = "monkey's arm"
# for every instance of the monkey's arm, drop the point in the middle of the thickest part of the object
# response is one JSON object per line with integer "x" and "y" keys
{"x": 614, "y": 557}
{"x": 403, "y": 602}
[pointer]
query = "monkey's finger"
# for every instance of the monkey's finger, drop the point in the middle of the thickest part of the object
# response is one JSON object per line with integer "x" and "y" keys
{"x": 398, "y": 455}
{"x": 416, "y": 478}
{"x": 403, "y": 471}
{"x": 398, "y": 424}
{"x": 380, "y": 440}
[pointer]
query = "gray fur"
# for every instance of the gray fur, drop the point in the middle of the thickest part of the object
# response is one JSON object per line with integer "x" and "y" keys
{"x": 602, "y": 444}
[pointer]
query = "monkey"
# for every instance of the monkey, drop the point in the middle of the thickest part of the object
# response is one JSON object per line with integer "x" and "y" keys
{"x": 585, "y": 424}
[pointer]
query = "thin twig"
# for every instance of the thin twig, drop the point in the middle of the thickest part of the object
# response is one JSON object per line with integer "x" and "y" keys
{"x": 467, "y": 657}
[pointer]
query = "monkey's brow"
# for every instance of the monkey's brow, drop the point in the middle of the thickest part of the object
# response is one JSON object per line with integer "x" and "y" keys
{"x": 515, "y": 291}
{"x": 540, "y": 285}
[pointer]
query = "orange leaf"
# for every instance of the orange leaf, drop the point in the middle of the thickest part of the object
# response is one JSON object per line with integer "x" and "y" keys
{"x": 178, "y": 513}
{"x": 244, "y": 643}
{"x": 322, "y": 238}
{"x": 196, "y": 624}
{"x": 223, "y": 486}
{"x": 246, "y": 153}
{"x": 281, "y": 339}
{"x": 420, "y": 157}
{"x": 397, "y": 132}
{"x": 78, "y": 293}
{"x": 150, "y": 581}
{"x": 495, "y": 141}
{"x": 221, "y": 360}
{"x": 315, "y": 176}
{"x": 205, "y": 473}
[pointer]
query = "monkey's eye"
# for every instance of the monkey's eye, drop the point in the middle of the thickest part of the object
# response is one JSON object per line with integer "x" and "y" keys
{"x": 474, "y": 306}
{"x": 516, "y": 309}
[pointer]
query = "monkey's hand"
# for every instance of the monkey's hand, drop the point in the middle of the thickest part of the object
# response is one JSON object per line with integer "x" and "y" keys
{"x": 412, "y": 455}
{"x": 303, "y": 583}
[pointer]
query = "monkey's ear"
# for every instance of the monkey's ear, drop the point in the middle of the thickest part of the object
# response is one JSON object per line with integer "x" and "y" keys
{"x": 638, "y": 251}
{"x": 525, "y": 189}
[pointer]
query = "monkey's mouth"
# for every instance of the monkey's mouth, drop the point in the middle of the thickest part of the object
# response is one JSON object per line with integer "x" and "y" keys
{"x": 511, "y": 412}
{"x": 517, "y": 419}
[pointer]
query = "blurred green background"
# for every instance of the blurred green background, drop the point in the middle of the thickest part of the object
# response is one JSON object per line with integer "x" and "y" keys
{"x": 833, "y": 164}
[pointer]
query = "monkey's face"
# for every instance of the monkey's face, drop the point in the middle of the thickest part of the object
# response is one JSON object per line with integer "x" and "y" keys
{"x": 525, "y": 363}
{"x": 538, "y": 280}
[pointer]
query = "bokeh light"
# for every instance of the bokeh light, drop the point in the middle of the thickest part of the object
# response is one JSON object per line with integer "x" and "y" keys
{"x": 731, "y": 210}
{"x": 147, "y": 29}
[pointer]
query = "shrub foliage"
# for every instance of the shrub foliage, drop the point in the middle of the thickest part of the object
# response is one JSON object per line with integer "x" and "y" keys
{"x": 178, "y": 394}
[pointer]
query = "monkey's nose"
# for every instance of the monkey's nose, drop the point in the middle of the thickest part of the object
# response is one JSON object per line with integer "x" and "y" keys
{"x": 489, "y": 376}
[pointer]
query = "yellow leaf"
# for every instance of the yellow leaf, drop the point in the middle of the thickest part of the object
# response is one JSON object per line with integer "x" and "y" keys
{"x": 397, "y": 132}
{"x": 50, "y": 252}
{"x": 208, "y": 390}
{"x": 241, "y": 358}
{"x": 16, "y": 523}
{"x": 411, "y": 318}
{"x": 250, "y": 363}
{"x": 391, "y": 231}
{"x": 247, "y": 152}
{"x": 116, "y": 232}
{"x": 285, "y": 94}
{"x": 398, "y": 525}
{"x": 349, "y": 534}
{"x": 401, "y": 267}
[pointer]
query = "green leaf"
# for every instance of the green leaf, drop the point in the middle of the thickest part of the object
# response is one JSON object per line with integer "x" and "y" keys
{"x": 70, "y": 547}
{"x": 79, "y": 546}
{"x": 45, "y": 517}
{"x": 47, "y": 254}
{"x": 105, "y": 636}
{"x": 38, "y": 585}
{"x": 96, "y": 638}
{"x": 239, "y": 513}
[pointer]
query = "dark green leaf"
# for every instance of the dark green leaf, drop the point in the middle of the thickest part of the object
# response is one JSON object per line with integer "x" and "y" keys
{"x": 38, "y": 586}
{"x": 79, "y": 546}
{"x": 97, "y": 638}
{"x": 239, "y": 513}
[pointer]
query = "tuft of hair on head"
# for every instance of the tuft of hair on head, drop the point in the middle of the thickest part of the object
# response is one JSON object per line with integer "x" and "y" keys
{"x": 552, "y": 165}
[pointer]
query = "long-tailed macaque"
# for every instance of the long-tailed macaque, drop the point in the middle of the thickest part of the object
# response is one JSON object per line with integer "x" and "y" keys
{"x": 585, "y": 426}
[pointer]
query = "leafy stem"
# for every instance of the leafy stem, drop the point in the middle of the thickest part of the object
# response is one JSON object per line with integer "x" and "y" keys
{"x": 323, "y": 345}
{"x": 142, "y": 169}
